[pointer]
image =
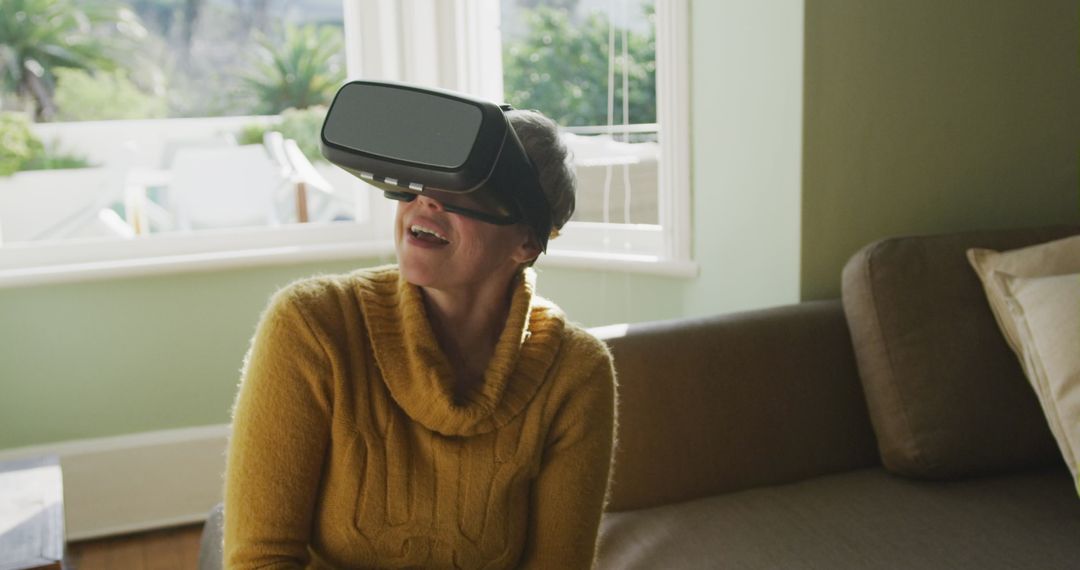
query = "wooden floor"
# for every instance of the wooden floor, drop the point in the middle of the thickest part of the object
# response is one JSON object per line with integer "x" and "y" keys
{"x": 167, "y": 549}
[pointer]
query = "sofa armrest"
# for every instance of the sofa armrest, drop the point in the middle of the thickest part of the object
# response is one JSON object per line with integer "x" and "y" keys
{"x": 723, "y": 403}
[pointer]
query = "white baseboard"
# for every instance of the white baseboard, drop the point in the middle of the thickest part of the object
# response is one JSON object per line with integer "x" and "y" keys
{"x": 131, "y": 483}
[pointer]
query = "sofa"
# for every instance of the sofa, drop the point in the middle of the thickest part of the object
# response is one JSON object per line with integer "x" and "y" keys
{"x": 891, "y": 428}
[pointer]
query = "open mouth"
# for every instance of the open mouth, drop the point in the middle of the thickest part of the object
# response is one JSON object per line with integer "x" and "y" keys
{"x": 427, "y": 235}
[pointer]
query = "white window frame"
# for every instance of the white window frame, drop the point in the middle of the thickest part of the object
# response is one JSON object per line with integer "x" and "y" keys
{"x": 467, "y": 59}
{"x": 664, "y": 248}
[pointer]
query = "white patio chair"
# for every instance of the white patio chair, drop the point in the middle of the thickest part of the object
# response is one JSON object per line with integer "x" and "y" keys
{"x": 224, "y": 187}
{"x": 305, "y": 177}
{"x": 296, "y": 202}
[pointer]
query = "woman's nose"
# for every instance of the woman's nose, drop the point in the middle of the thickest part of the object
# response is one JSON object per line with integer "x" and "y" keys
{"x": 429, "y": 202}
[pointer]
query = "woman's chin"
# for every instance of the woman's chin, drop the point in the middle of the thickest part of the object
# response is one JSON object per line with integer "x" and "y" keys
{"x": 419, "y": 272}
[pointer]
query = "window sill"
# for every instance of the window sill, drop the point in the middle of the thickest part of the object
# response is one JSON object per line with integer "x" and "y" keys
{"x": 190, "y": 263}
{"x": 72, "y": 272}
{"x": 627, "y": 263}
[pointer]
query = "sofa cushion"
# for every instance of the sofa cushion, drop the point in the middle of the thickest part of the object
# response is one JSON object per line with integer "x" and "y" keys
{"x": 946, "y": 396}
{"x": 860, "y": 519}
{"x": 726, "y": 402}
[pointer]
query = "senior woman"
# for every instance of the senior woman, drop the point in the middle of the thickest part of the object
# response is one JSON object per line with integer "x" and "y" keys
{"x": 432, "y": 414}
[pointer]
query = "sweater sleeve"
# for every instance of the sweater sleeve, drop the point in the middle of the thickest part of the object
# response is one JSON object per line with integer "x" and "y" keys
{"x": 280, "y": 434}
{"x": 570, "y": 491}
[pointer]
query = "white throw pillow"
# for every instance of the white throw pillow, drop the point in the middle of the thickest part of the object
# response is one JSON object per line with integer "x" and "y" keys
{"x": 1045, "y": 312}
{"x": 1057, "y": 257}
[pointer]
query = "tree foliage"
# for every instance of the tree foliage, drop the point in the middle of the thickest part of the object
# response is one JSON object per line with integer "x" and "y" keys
{"x": 82, "y": 96}
{"x": 17, "y": 143}
{"x": 299, "y": 71}
{"x": 561, "y": 69}
{"x": 39, "y": 37}
{"x": 301, "y": 125}
{"x": 21, "y": 149}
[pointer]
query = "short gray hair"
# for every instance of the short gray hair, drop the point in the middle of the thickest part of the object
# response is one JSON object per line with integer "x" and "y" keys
{"x": 540, "y": 137}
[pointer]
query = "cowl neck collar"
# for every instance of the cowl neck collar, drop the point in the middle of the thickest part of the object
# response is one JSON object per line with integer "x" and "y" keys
{"x": 418, "y": 373}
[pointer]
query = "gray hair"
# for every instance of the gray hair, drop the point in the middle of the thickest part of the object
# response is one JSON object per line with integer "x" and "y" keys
{"x": 540, "y": 137}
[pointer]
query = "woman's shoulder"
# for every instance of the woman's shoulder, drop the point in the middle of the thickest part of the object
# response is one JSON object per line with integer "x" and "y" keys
{"x": 584, "y": 343}
{"x": 585, "y": 371}
{"x": 576, "y": 341}
{"x": 580, "y": 354}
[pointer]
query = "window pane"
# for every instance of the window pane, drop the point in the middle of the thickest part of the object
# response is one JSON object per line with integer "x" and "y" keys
{"x": 151, "y": 116}
{"x": 556, "y": 59}
{"x": 591, "y": 66}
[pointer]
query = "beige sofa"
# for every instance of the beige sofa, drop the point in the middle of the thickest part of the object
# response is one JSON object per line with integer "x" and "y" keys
{"x": 892, "y": 429}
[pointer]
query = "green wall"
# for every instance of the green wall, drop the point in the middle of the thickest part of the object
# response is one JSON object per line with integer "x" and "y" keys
{"x": 746, "y": 106}
{"x": 927, "y": 116}
{"x": 127, "y": 355}
{"x": 121, "y": 356}
{"x": 917, "y": 116}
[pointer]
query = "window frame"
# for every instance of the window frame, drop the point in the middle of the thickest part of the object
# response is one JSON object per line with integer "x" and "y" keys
{"x": 663, "y": 249}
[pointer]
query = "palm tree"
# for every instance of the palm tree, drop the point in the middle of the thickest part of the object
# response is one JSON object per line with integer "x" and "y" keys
{"x": 303, "y": 70}
{"x": 39, "y": 36}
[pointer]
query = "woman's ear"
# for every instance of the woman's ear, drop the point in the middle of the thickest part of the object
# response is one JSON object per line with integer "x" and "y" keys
{"x": 528, "y": 248}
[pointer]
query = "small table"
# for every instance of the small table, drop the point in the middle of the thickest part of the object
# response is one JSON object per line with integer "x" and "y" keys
{"x": 31, "y": 514}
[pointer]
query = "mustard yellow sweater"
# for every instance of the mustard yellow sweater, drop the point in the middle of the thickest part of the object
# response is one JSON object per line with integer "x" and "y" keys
{"x": 348, "y": 450}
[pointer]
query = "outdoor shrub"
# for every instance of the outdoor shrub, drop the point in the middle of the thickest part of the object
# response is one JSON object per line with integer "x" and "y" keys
{"x": 52, "y": 157}
{"x": 302, "y": 125}
{"x": 21, "y": 149}
{"x": 83, "y": 96}
{"x": 17, "y": 143}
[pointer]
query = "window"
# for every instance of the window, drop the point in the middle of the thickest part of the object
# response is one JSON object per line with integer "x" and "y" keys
{"x": 216, "y": 106}
{"x": 593, "y": 66}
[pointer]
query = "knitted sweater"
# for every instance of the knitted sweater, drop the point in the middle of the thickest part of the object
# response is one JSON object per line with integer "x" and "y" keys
{"x": 349, "y": 450}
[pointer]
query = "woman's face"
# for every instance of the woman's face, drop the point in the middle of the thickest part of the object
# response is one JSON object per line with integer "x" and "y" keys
{"x": 441, "y": 250}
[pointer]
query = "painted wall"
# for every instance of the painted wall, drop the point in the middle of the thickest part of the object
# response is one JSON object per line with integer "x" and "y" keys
{"x": 124, "y": 356}
{"x": 919, "y": 117}
{"x": 925, "y": 116}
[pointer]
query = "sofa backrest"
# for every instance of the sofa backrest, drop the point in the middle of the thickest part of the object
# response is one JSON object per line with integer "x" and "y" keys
{"x": 946, "y": 395}
{"x": 729, "y": 402}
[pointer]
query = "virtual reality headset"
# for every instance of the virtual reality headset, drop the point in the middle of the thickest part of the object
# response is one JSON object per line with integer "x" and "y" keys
{"x": 412, "y": 141}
